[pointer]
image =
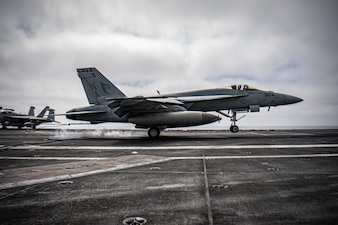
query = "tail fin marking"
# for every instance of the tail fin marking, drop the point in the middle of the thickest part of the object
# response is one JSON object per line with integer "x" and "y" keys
{"x": 96, "y": 85}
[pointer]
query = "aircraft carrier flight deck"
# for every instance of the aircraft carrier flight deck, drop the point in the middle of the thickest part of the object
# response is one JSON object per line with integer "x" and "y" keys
{"x": 184, "y": 177}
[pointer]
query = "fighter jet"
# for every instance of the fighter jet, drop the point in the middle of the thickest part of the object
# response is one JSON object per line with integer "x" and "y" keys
{"x": 9, "y": 118}
{"x": 155, "y": 113}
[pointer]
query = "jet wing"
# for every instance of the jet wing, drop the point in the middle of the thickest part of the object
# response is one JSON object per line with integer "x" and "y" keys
{"x": 170, "y": 100}
{"x": 140, "y": 104}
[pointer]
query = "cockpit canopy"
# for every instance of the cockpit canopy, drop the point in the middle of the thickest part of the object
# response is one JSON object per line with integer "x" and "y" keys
{"x": 242, "y": 87}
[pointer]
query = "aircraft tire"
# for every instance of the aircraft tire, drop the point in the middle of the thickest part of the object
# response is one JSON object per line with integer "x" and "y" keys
{"x": 234, "y": 129}
{"x": 153, "y": 132}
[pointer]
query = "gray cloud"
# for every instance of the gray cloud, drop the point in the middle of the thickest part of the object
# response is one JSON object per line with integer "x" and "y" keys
{"x": 144, "y": 46}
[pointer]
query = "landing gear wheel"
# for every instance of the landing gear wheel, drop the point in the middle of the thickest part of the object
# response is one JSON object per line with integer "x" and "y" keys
{"x": 234, "y": 129}
{"x": 154, "y": 132}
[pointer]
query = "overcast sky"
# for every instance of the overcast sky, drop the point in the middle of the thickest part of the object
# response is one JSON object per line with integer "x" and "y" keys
{"x": 143, "y": 46}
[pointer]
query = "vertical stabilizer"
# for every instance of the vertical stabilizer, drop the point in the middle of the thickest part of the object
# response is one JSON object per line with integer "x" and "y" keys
{"x": 31, "y": 111}
{"x": 51, "y": 115}
{"x": 96, "y": 85}
{"x": 42, "y": 113}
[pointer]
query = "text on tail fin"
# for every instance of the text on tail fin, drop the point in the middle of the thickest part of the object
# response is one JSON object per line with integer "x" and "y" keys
{"x": 96, "y": 85}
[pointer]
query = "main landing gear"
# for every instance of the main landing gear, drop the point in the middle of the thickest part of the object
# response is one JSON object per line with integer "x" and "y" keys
{"x": 154, "y": 132}
{"x": 233, "y": 118}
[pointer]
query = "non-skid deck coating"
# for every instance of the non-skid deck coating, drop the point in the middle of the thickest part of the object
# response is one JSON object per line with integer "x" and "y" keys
{"x": 197, "y": 177}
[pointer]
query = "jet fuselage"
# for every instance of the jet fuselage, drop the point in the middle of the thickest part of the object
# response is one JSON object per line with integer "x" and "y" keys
{"x": 192, "y": 108}
{"x": 249, "y": 100}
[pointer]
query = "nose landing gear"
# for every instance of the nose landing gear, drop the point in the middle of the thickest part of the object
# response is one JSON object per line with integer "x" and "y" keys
{"x": 234, "y": 128}
{"x": 233, "y": 118}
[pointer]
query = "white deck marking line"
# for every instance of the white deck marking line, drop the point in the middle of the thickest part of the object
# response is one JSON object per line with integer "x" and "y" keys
{"x": 207, "y": 192}
{"x": 67, "y": 175}
{"x": 114, "y": 168}
{"x": 178, "y": 157}
{"x": 212, "y": 147}
{"x": 256, "y": 156}
{"x": 55, "y": 158}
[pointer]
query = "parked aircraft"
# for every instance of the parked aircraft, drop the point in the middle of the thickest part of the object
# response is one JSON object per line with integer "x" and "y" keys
{"x": 9, "y": 118}
{"x": 155, "y": 113}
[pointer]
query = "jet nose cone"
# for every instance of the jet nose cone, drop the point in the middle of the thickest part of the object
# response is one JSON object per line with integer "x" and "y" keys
{"x": 289, "y": 99}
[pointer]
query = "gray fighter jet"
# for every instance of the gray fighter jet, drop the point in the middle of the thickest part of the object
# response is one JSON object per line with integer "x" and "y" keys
{"x": 9, "y": 118}
{"x": 155, "y": 113}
